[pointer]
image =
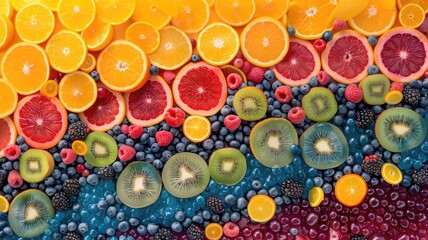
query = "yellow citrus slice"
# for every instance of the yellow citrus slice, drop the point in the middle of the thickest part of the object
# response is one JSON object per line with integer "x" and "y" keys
{"x": 411, "y": 15}
{"x": 261, "y": 208}
{"x": 235, "y": 12}
{"x": 51, "y": 4}
{"x": 271, "y": 8}
{"x": 309, "y": 17}
{"x": 77, "y": 91}
{"x": 20, "y": 4}
{"x": 350, "y": 190}
{"x": 76, "y": 15}
{"x": 193, "y": 15}
{"x": 89, "y": 64}
{"x": 66, "y": 51}
{"x": 98, "y": 35}
{"x": 264, "y": 41}
{"x": 9, "y": 99}
{"x": 79, "y": 147}
{"x": 6, "y": 8}
{"x": 393, "y": 97}
{"x": 147, "y": 12}
{"x": 174, "y": 50}
{"x": 4, "y": 204}
{"x": 391, "y": 173}
{"x": 422, "y": 3}
{"x": 316, "y": 196}
{"x": 123, "y": 66}
{"x": 6, "y": 31}
{"x": 375, "y": 19}
{"x": 34, "y": 23}
{"x": 115, "y": 12}
{"x": 218, "y": 44}
{"x": 49, "y": 88}
{"x": 26, "y": 67}
{"x": 213, "y": 231}
{"x": 197, "y": 128}
{"x": 144, "y": 35}
{"x": 167, "y": 6}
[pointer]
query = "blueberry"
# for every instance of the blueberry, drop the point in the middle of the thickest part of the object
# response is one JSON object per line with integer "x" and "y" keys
{"x": 291, "y": 31}
{"x": 187, "y": 222}
{"x": 192, "y": 148}
{"x": 196, "y": 58}
{"x": 366, "y": 176}
{"x": 327, "y": 188}
{"x": 197, "y": 219}
{"x": 112, "y": 211}
{"x": 93, "y": 179}
{"x": 338, "y": 175}
{"x": 204, "y": 155}
{"x": 176, "y": 227}
{"x": 72, "y": 226}
{"x": 273, "y": 192}
{"x": 112, "y": 232}
{"x": 338, "y": 120}
{"x": 218, "y": 144}
{"x": 141, "y": 229}
{"x": 117, "y": 167}
{"x": 276, "y": 113}
{"x": 215, "y": 218}
{"x": 154, "y": 70}
{"x": 123, "y": 226}
{"x": 235, "y": 216}
{"x": 49, "y": 181}
{"x": 318, "y": 181}
{"x": 372, "y": 69}
{"x": 72, "y": 117}
{"x": 8, "y": 231}
{"x": 206, "y": 215}
{"x": 372, "y": 40}
{"x": 256, "y": 184}
{"x": 120, "y": 216}
{"x": 229, "y": 100}
{"x": 225, "y": 217}
{"x": 263, "y": 191}
{"x": 327, "y": 35}
{"x": 180, "y": 147}
{"x": 368, "y": 149}
{"x": 225, "y": 110}
{"x": 243, "y": 148}
{"x": 416, "y": 84}
{"x": 152, "y": 228}
{"x": 216, "y": 126}
{"x": 230, "y": 200}
{"x": 62, "y": 144}
{"x": 157, "y": 164}
{"x": 347, "y": 170}
{"x": 269, "y": 75}
{"x": 333, "y": 87}
{"x": 276, "y": 84}
{"x": 95, "y": 75}
{"x": 83, "y": 228}
{"x": 304, "y": 89}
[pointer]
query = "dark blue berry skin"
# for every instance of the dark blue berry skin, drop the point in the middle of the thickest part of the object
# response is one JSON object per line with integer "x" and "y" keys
{"x": 95, "y": 75}
{"x": 372, "y": 40}
{"x": 313, "y": 81}
{"x": 269, "y": 75}
{"x": 372, "y": 69}
{"x": 304, "y": 89}
{"x": 72, "y": 117}
{"x": 291, "y": 31}
{"x": 327, "y": 35}
{"x": 154, "y": 70}
{"x": 196, "y": 58}
{"x": 416, "y": 84}
{"x": 276, "y": 84}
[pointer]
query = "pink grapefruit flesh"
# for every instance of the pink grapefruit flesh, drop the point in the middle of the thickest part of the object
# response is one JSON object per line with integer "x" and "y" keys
{"x": 347, "y": 57}
{"x": 7, "y": 134}
{"x": 42, "y": 121}
{"x": 200, "y": 89}
{"x": 149, "y": 104}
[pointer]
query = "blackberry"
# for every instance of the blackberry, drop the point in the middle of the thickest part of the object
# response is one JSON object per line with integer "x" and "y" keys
{"x": 106, "y": 173}
{"x": 73, "y": 236}
{"x": 3, "y": 179}
{"x": 71, "y": 187}
{"x": 78, "y": 131}
{"x": 411, "y": 95}
{"x": 194, "y": 232}
{"x": 60, "y": 201}
{"x": 420, "y": 176}
{"x": 372, "y": 165}
{"x": 214, "y": 204}
{"x": 292, "y": 188}
{"x": 364, "y": 117}
{"x": 358, "y": 237}
{"x": 163, "y": 234}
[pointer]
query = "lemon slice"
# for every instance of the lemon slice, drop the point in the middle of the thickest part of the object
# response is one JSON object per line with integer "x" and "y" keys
{"x": 316, "y": 196}
{"x": 391, "y": 173}
{"x": 393, "y": 97}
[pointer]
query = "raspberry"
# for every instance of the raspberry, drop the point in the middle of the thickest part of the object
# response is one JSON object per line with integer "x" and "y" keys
{"x": 353, "y": 93}
{"x": 397, "y": 86}
{"x": 231, "y": 229}
{"x": 68, "y": 155}
{"x": 234, "y": 80}
{"x": 80, "y": 168}
{"x": 323, "y": 78}
{"x": 296, "y": 115}
{"x": 319, "y": 45}
{"x": 12, "y": 152}
{"x": 135, "y": 131}
{"x": 292, "y": 188}
{"x": 283, "y": 94}
{"x": 126, "y": 153}
{"x": 164, "y": 138}
{"x": 175, "y": 117}
{"x": 256, "y": 75}
{"x": 14, "y": 179}
{"x": 169, "y": 76}
{"x": 246, "y": 67}
{"x": 124, "y": 129}
{"x": 238, "y": 62}
{"x": 232, "y": 122}
{"x": 339, "y": 25}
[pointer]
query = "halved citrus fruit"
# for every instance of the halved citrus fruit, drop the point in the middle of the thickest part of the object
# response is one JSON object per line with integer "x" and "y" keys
{"x": 166, "y": 6}
{"x": 411, "y": 15}
{"x": 347, "y": 57}
{"x": 147, "y": 12}
{"x": 193, "y": 15}
{"x": 300, "y": 63}
{"x": 316, "y": 196}
{"x": 393, "y": 97}
{"x": 4, "y": 204}
{"x": 107, "y": 111}
{"x": 197, "y": 128}
{"x": 6, "y": 8}
{"x": 402, "y": 54}
{"x": 422, "y": 3}
{"x": 200, "y": 89}
{"x": 144, "y": 35}
{"x": 9, "y": 99}
{"x": 34, "y": 23}
{"x": 49, "y": 88}
{"x": 51, "y": 4}
{"x": 235, "y": 12}
{"x": 271, "y": 8}
{"x": 79, "y": 147}
{"x": 89, "y": 64}
{"x": 391, "y": 173}
{"x": 174, "y": 51}
{"x": 26, "y": 67}
{"x": 350, "y": 190}
{"x": 98, "y": 35}
{"x": 7, "y": 134}
{"x": 346, "y": 10}
{"x": 261, "y": 208}
{"x": 148, "y": 105}
{"x": 6, "y": 31}
{"x": 213, "y": 231}
{"x": 115, "y": 12}
{"x": 76, "y": 15}
{"x": 218, "y": 44}
{"x": 42, "y": 121}
{"x": 20, "y": 4}
{"x": 77, "y": 91}
{"x": 123, "y": 66}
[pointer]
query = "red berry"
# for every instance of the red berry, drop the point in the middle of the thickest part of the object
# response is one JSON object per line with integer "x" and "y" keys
{"x": 231, "y": 229}
{"x": 323, "y": 78}
{"x": 234, "y": 80}
{"x": 80, "y": 168}
{"x": 12, "y": 152}
{"x": 397, "y": 86}
{"x": 232, "y": 122}
{"x": 296, "y": 115}
{"x": 353, "y": 93}
{"x": 85, "y": 173}
{"x": 238, "y": 62}
{"x": 246, "y": 67}
{"x": 256, "y": 75}
{"x": 169, "y": 76}
{"x": 426, "y": 74}
{"x": 68, "y": 155}
{"x": 164, "y": 138}
{"x": 124, "y": 129}
{"x": 339, "y": 25}
{"x": 126, "y": 153}
{"x": 14, "y": 179}
{"x": 193, "y": 42}
{"x": 175, "y": 117}
{"x": 283, "y": 94}
{"x": 135, "y": 131}
{"x": 319, "y": 45}
{"x": 102, "y": 92}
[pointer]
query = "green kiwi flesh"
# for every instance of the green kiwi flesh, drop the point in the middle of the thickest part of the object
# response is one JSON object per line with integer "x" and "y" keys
{"x": 399, "y": 129}
{"x": 102, "y": 149}
{"x": 139, "y": 185}
{"x": 227, "y": 166}
{"x": 270, "y": 142}
{"x": 250, "y": 103}
{"x": 324, "y": 146}
{"x": 29, "y": 213}
{"x": 375, "y": 87}
{"x": 319, "y": 104}
{"x": 185, "y": 175}
{"x": 35, "y": 165}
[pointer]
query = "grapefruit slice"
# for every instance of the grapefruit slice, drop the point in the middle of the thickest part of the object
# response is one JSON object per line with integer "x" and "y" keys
{"x": 402, "y": 54}
{"x": 42, "y": 121}
{"x": 347, "y": 57}
{"x": 200, "y": 89}
{"x": 107, "y": 111}
{"x": 148, "y": 105}
{"x": 7, "y": 134}
{"x": 300, "y": 63}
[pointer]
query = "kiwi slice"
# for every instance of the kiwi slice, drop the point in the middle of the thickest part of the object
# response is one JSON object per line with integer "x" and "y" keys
{"x": 399, "y": 129}
{"x": 227, "y": 166}
{"x": 319, "y": 104}
{"x": 29, "y": 213}
{"x": 139, "y": 185}
{"x": 250, "y": 103}
{"x": 375, "y": 87}
{"x": 102, "y": 149}
{"x": 270, "y": 141}
{"x": 185, "y": 175}
{"x": 324, "y": 146}
{"x": 35, "y": 165}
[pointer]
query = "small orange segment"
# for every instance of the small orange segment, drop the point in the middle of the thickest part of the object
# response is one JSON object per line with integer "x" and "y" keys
{"x": 193, "y": 15}
{"x": 79, "y": 147}
{"x": 76, "y": 15}
{"x": 144, "y": 35}
{"x": 34, "y": 23}
{"x": 147, "y": 12}
{"x": 411, "y": 15}
{"x": 197, "y": 128}
{"x": 77, "y": 91}
{"x": 89, "y": 64}
{"x": 213, "y": 231}
{"x": 6, "y": 31}
{"x": 393, "y": 97}
{"x": 261, "y": 208}
{"x": 4, "y": 204}
{"x": 115, "y": 12}
{"x": 350, "y": 190}
{"x": 235, "y": 12}
{"x": 316, "y": 196}
{"x": 98, "y": 35}
{"x": 49, "y": 88}
{"x": 9, "y": 99}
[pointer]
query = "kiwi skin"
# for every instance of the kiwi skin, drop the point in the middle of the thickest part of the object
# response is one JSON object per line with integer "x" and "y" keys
{"x": 104, "y": 141}
{"x": 310, "y": 109}
{"x": 257, "y": 97}
{"x": 45, "y": 163}
{"x": 230, "y": 156}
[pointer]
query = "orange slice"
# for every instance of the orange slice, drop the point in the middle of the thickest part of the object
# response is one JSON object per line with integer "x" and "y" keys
{"x": 235, "y": 12}
{"x": 76, "y": 15}
{"x": 271, "y": 8}
{"x": 51, "y": 4}
{"x": 49, "y": 88}
{"x": 218, "y": 44}
{"x": 346, "y": 10}
{"x": 411, "y": 15}
{"x": 89, "y": 64}
{"x": 197, "y": 128}
{"x": 4, "y": 204}
{"x": 261, "y": 208}
{"x": 213, "y": 231}
{"x": 77, "y": 91}
{"x": 20, "y": 4}
{"x": 25, "y": 66}
{"x": 264, "y": 41}
{"x": 123, "y": 66}
{"x": 9, "y": 99}
{"x": 34, "y": 23}
{"x": 144, "y": 35}
{"x": 6, "y": 31}
{"x": 174, "y": 50}
{"x": 350, "y": 190}
{"x": 316, "y": 196}
{"x": 6, "y": 8}
{"x": 147, "y": 12}
{"x": 391, "y": 173}
{"x": 193, "y": 15}
{"x": 422, "y": 3}
{"x": 167, "y": 6}
{"x": 98, "y": 35}
{"x": 393, "y": 97}
{"x": 115, "y": 12}
{"x": 79, "y": 147}
{"x": 66, "y": 51}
